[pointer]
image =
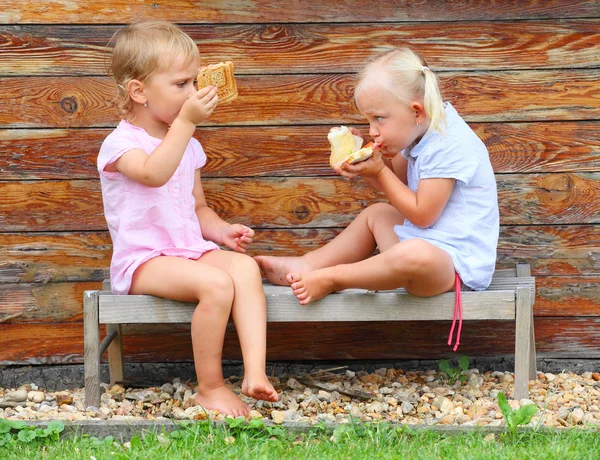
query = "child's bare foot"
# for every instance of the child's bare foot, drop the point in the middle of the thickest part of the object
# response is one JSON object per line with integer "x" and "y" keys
{"x": 311, "y": 286}
{"x": 276, "y": 268}
{"x": 259, "y": 388}
{"x": 222, "y": 399}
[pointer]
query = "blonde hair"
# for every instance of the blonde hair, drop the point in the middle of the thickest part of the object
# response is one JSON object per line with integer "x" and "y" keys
{"x": 409, "y": 78}
{"x": 143, "y": 49}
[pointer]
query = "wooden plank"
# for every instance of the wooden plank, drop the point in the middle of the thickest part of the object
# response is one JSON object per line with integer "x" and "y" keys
{"x": 241, "y": 151}
{"x": 555, "y": 338}
{"x": 282, "y": 306}
{"x": 40, "y": 102}
{"x": 91, "y": 349}
{"x": 50, "y": 303}
{"x": 206, "y": 11}
{"x": 44, "y": 257}
{"x": 329, "y": 48}
{"x": 553, "y": 251}
{"x": 523, "y": 344}
{"x": 76, "y": 205}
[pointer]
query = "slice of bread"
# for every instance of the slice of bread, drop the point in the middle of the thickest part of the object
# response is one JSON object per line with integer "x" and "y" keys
{"x": 346, "y": 147}
{"x": 220, "y": 76}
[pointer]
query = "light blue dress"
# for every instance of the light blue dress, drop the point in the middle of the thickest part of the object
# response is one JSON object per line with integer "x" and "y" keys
{"x": 469, "y": 224}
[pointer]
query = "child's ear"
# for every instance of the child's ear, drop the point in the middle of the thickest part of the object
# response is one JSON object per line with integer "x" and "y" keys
{"x": 135, "y": 88}
{"x": 419, "y": 111}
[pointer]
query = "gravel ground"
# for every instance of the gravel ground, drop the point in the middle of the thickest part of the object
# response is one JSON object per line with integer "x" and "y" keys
{"x": 337, "y": 395}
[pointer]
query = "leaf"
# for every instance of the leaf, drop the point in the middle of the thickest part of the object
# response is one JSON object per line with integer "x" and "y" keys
{"x": 136, "y": 442}
{"x": 26, "y": 436}
{"x": 56, "y": 425}
{"x": 463, "y": 363}
{"x": 524, "y": 414}
{"x": 236, "y": 422}
{"x": 17, "y": 424}
{"x": 504, "y": 406}
{"x": 444, "y": 366}
{"x": 4, "y": 426}
{"x": 256, "y": 423}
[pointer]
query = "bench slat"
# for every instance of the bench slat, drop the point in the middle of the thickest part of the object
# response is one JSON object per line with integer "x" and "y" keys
{"x": 354, "y": 305}
{"x": 503, "y": 280}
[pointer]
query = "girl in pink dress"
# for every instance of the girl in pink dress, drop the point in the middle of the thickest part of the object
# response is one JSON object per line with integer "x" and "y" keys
{"x": 165, "y": 237}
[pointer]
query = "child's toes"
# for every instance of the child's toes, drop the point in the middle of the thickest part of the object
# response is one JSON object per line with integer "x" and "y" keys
{"x": 292, "y": 277}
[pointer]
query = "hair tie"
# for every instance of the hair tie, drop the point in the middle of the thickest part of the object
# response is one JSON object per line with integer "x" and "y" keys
{"x": 424, "y": 68}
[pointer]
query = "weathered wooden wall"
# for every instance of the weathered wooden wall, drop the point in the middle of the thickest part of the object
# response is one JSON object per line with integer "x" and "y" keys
{"x": 524, "y": 74}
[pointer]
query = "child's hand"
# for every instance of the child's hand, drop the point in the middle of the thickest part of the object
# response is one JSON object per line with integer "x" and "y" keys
{"x": 237, "y": 237}
{"x": 369, "y": 168}
{"x": 199, "y": 106}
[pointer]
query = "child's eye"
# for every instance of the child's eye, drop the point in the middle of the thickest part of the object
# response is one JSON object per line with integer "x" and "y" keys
{"x": 181, "y": 84}
{"x": 379, "y": 118}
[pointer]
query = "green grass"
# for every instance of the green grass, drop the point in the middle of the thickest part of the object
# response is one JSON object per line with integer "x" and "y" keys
{"x": 255, "y": 441}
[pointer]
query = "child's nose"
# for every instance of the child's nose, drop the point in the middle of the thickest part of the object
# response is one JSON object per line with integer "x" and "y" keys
{"x": 373, "y": 131}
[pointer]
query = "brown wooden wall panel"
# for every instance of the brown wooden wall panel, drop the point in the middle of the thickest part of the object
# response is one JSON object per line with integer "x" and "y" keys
{"x": 330, "y": 48}
{"x": 39, "y": 102}
{"x": 62, "y": 343}
{"x": 209, "y": 11}
{"x": 523, "y": 74}
{"x": 27, "y": 154}
{"x": 44, "y": 303}
{"x": 524, "y": 199}
{"x": 551, "y": 250}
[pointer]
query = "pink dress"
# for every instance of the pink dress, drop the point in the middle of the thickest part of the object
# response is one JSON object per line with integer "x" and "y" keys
{"x": 146, "y": 222}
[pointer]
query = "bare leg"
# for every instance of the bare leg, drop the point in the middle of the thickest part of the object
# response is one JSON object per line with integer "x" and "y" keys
{"x": 193, "y": 281}
{"x": 249, "y": 314}
{"x": 421, "y": 268}
{"x": 373, "y": 227}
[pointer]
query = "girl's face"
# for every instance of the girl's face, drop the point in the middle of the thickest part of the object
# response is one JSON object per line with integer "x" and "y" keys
{"x": 392, "y": 122}
{"x": 167, "y": 91}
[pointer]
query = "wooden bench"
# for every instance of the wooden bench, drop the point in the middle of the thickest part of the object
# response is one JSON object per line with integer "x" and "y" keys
{"x": 509, "y": 297}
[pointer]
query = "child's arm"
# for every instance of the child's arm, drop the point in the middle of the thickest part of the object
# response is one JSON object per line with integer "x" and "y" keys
{"x": 156, "y": 169}
{"x": 422, "y": 208}
{"x": 398, "y": 164}
{"x": 235, "y": 236}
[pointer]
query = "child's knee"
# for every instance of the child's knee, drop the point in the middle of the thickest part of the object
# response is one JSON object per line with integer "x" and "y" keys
{"x": 412, "y": 256}
{"x": 218, "y": 292}
{"x": 380, "y": 208}
{"x": 246, "y": 266}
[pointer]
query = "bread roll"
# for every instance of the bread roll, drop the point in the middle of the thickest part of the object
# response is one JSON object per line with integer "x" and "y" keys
{"x": 220, "y": 76}
{"x": 346, "y": 147}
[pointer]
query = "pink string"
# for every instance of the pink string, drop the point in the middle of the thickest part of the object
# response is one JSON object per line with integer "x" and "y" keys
{"x": 457, "y": 312}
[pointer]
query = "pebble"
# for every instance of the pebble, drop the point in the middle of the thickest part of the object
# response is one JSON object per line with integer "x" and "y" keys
{"x": 565, "y": 400}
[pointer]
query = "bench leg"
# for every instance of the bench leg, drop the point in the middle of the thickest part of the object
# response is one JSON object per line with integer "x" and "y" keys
{"x": 91, "y": 348}
{"x": 532, "y": 354}
{"x": 115, "y": 354}
{"x": 524, "y": 270}
{"x": 523, "y": 343}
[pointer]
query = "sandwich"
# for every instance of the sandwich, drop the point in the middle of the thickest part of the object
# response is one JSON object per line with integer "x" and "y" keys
{"x": 346, "y": 147}
{"x": 220, "y": 76}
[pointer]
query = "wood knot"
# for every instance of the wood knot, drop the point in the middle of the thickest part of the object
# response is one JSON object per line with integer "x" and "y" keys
{"x": 69, "y": 104}
{"x": 302, "y": 213}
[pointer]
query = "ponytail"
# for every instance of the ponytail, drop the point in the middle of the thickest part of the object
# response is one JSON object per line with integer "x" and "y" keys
{"x": 432, "y": 99}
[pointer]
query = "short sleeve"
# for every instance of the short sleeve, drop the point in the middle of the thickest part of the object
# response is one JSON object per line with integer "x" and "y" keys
{"x": 199, "y": 155}
{"x": 450, "y": 160}
{"x": 114, "y": 146}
